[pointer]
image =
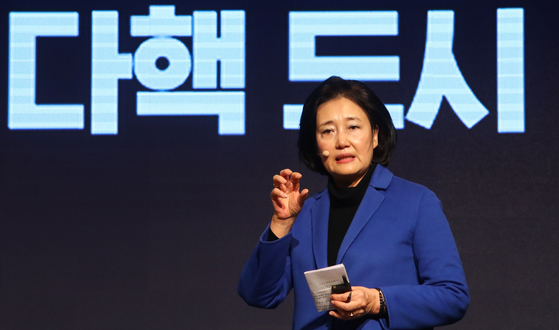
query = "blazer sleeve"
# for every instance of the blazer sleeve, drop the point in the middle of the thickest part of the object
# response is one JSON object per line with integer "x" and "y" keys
{"x": 442, "y": 296}
{"x": 266, "y": 278}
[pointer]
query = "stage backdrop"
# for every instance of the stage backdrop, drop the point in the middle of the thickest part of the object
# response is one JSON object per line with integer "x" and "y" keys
{"x": 138, "y": 140}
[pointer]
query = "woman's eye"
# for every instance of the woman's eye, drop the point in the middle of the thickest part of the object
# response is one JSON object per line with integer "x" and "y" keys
{"x": 353, "y": 127}
{"x": 326, "y": 131}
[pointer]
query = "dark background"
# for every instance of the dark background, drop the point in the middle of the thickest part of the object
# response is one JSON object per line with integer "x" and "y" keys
{"x": 149, "y": 229}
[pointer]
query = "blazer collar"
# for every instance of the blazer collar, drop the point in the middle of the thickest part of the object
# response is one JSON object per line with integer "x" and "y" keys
{"x": 321, "y": 209}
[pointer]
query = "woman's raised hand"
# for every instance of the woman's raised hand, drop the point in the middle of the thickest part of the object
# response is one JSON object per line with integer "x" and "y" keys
{"x": 287, "y": 201}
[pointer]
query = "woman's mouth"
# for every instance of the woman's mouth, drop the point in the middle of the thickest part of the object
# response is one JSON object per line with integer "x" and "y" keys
{"x": 344, "y": 158}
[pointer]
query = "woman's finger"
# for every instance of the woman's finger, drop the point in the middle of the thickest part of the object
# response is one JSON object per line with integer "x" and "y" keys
{"x": 340, "y": 296}
{"x": 344, "y": 315}
{"x": 277, "y": 193}
{"x": 345, "y": 306}
{"x": 303, "y": 196}
{"x": 286, "y": 173}
{"x": 278, "y": 180}
{"x": 295, "y": 177}
{"x": 348, "y": 315}
{"x": 355, "y": 304}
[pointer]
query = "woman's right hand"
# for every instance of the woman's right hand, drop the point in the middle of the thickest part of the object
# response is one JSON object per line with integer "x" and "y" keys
{"x": 287, "y": 201}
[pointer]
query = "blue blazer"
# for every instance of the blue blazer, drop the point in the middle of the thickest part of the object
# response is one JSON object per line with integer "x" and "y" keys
{"x": 399, "y": 240}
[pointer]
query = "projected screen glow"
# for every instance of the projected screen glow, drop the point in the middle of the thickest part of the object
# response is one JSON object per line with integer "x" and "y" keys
{"x": 440, "y": 76}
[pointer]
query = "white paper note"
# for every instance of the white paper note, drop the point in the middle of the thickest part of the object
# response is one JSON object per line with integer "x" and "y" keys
{"x": 320, "y": 282}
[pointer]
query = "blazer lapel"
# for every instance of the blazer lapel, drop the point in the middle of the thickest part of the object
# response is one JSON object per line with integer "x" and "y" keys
{"x": 369, "y": 204}
{"x": 319, "y": 221}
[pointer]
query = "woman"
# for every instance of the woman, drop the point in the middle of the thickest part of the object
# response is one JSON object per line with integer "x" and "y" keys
{"x": 390, "y": 234}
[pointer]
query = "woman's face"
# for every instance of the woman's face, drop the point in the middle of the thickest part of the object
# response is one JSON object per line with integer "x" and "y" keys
{"x": 344, "y": 130}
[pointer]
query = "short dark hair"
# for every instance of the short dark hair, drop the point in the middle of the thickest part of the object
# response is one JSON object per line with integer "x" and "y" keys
{"x": 334, "y": 88}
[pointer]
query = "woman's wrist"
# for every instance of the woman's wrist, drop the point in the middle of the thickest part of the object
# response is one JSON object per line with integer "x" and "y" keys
{"x": 382, "y": 310}
{"x": 279, "y": 227}
{"x": 376, "y": 305}
{"x": 373, "y": 304}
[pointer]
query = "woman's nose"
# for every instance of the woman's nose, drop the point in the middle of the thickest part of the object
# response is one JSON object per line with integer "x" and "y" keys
{"x": 341, "y": 141}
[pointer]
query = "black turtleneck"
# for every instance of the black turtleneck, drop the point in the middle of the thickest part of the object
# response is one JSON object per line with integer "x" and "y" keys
{"x": 343, "y": 206}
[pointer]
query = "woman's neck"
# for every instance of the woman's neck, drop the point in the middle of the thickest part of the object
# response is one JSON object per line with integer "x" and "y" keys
{"x": 345, "y": 182}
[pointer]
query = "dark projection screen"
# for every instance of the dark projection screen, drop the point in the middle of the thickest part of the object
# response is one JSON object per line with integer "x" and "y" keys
{"x": 138, "y": 141}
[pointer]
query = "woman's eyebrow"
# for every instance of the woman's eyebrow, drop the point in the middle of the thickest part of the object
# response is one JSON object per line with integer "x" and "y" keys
{"x": 325, "y": 123}
{"x": 348, "y": 118}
